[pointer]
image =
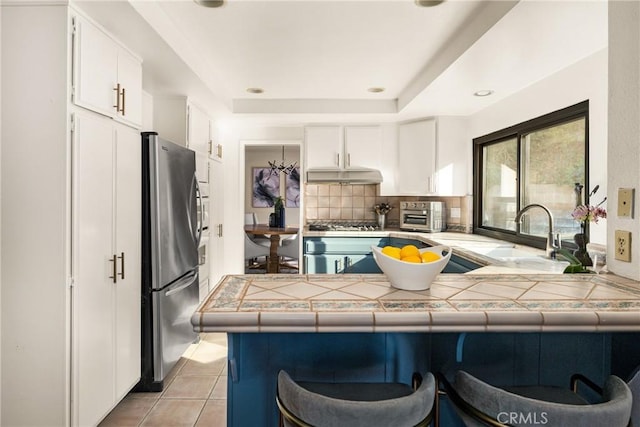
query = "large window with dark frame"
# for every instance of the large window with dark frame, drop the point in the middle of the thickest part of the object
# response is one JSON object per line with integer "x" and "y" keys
{"x": 538, "y": 161}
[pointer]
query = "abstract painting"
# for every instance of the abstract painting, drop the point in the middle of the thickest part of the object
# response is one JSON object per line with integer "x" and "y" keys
{"x": 292, "y": 188}
{"x": 266, "y": 187}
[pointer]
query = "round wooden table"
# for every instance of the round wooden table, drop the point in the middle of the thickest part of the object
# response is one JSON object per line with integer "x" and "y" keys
{"x": 274, "y": 235}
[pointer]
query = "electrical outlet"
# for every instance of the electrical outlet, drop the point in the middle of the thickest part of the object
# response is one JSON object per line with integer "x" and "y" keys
{"x": 625, "y": 202}
{"x": 623, "y": 245}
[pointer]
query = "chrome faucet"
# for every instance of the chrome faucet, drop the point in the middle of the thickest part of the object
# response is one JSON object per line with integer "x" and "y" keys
{"x": 553, "y": 239}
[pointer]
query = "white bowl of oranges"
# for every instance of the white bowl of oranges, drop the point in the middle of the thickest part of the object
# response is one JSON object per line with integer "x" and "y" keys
{"x": 411, "y": 268}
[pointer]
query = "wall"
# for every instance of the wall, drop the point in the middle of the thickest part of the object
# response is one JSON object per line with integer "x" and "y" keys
{"x": 35, "y": 216}
{"x": 624, "y": 127}
{"x": 259, "y": 156}
{"x": 587, "y": 79}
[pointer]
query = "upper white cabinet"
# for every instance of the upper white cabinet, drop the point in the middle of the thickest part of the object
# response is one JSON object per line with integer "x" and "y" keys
{"x": 180, "y": 120}
{"x": 107, "y": 78}
{"x": 198, "y": 129}
{"x": 323, "y": 146}
{"x": 362, "y": 146}
{"x": 417, "y": 158}
{"x": 434, "y": 157}
{"x": 343, "y": 146}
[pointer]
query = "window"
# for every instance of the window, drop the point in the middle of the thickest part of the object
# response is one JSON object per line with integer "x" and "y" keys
{"x": 539, "y": 161}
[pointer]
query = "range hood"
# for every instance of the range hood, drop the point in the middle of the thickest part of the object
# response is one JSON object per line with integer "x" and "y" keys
{"x": 344, "y": 176}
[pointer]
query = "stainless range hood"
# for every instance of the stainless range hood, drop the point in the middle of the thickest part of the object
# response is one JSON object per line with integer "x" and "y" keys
{"x": 344, "y": 176}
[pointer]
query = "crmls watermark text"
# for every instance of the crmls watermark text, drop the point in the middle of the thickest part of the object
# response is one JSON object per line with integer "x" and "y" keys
{"x": 523, "y": 418}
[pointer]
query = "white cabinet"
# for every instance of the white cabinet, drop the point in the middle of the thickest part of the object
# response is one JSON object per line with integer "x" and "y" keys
{"x": 106, "y": 265}
{"x": 416, "y": 158}
{"x": 215, "y": 252}
{"x": 434, "y": 157}
{"x": 362, "y": 146}
{"x": 199, "y": 129}
{"x": 180, "y": 120}
{"x": 71, "y": 363}
{"x": 107, "y": 78}
{"x": 204, "y": 265}
{"x": 323, "y": 146}
{"x": 343, "y": 146}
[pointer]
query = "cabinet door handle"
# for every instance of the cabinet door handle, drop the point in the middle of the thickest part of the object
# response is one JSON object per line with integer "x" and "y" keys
{"x": 219, "y": 230}
{"x": 121, "y": 265}
{"x": 338, "y": 159}
{"x": 117, "y": 89}
{"x": 114, "y": 270}
{"x": 124, "y": 102}
{"x": 348, "y": 159}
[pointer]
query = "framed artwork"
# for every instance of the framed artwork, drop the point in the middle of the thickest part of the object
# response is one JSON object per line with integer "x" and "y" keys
{"x": 292, "y": 189}
{"x": 266, "y": 187}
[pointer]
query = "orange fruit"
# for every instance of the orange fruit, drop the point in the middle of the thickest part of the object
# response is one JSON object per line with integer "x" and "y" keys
{"x": 391, "y": 251}
{"x": 412, "y": 258}
{"x": 409, "y": 250}
{"x": 430, "y": 257}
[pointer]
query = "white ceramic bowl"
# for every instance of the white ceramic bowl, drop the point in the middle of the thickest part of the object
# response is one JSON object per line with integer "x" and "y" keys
{"x": 412, "y": 276}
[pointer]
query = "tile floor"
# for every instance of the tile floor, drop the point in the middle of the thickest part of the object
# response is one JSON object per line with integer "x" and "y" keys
{"x": 195, "y": 392}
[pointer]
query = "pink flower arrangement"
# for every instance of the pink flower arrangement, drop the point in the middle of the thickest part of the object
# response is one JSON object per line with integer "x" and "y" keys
{"x": 588, "y": 213}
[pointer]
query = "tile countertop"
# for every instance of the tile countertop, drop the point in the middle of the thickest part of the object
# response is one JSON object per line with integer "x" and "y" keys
{"x": 455, "y": 302}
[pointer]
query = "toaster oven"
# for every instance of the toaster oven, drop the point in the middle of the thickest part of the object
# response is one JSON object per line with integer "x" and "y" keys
{"x": 422, "y": 216}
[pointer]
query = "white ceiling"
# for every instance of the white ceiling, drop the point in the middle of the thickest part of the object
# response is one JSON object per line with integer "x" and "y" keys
{"x": 318, "y": 58}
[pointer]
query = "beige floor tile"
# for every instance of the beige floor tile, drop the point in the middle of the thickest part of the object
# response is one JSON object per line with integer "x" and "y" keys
{"x": 211, "y": 367}
{"x": 174, "y": 413}
{"x": 214, "y": 414}
{"x": 130, "y": 412}
{"x": 220, "y": 389}
{"x": 190, "y": 387}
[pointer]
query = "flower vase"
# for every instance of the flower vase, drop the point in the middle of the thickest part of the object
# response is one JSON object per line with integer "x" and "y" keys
{"x": 382, "y": 218}
{"x": 280, "y": 216}
{"x": 581, "y": 253}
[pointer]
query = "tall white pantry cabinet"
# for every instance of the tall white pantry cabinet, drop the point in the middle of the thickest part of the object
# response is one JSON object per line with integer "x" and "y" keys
{"x": 70, "y": 227}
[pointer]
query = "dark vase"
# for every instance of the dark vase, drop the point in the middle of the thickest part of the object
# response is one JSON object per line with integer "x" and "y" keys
{"x": 280, "y": 216}
{"x": 581, "y": 253}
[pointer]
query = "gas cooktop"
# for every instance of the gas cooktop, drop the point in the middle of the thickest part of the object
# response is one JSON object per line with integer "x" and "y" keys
{"x": 343, "y": 226}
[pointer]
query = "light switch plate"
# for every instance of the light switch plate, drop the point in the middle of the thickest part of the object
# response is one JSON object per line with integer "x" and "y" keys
{"x": 625, "y": 202}
{"x": 622, "y": 247}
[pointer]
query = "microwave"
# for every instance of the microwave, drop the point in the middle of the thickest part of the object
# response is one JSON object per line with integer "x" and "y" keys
{"x": 422, "y": 216}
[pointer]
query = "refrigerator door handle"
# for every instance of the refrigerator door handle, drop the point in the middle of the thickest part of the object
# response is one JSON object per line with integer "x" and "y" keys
{"x": 199, "y": 196}
{"x": 186, "y": 282}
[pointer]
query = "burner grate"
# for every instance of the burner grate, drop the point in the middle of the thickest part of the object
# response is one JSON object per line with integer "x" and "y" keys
{"x": 342, "y": 226}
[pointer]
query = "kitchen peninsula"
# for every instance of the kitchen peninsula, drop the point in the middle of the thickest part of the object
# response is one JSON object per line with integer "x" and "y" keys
{"x": 508, "y": 328}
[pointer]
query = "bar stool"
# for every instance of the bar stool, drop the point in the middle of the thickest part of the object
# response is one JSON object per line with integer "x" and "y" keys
{"x": 321, "y": 404}
{"x": 480, "y": 404}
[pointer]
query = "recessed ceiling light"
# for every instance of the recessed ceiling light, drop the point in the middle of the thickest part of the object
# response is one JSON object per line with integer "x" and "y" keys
{"x": 485, "y": 92}
{"x": 376, "y": 89}
{"x": 428, "y": 3}
{"x": 209, "y": 3}
{"x": 255, "y": 90}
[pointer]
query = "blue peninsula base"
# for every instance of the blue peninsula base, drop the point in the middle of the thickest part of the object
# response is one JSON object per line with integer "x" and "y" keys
{"x": 500, "y": 358}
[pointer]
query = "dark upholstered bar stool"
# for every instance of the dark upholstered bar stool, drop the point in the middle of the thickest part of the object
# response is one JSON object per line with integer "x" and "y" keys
{"x": 320, "y": 404}
{"x": 481, "y": 404}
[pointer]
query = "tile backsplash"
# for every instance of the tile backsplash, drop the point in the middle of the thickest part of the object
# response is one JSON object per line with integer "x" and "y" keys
{"x": 355, "y": 202}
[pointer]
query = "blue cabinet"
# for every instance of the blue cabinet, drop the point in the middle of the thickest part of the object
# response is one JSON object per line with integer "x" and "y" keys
{"x": 338, "y": 255}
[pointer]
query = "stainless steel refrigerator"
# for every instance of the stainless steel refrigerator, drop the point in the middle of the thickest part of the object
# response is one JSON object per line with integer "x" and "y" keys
{"x": 170, "y": 237}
